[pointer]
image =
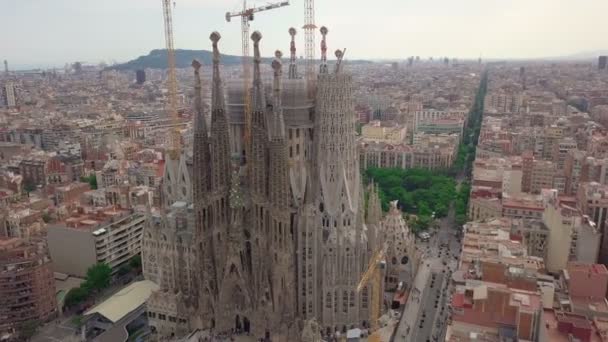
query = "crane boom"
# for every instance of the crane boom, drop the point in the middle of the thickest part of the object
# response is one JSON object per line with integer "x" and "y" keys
{"x": 171, "y": 80}
{"x": 250, "y": 11}
{"x": 373, "y": 276}
{"x": 246, "y": 16}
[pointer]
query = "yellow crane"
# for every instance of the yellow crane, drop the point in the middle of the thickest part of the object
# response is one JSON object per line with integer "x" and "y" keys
{"x": 247, "y": 15}
{"x": 373, "y": 276}
{"x": 175, "y": 147}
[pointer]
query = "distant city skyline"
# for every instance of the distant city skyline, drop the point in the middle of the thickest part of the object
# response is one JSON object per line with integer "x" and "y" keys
{"x": 44, "y": 34}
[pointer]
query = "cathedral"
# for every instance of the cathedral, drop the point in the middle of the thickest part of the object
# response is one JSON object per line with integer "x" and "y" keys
{"x": 264, "y": 225}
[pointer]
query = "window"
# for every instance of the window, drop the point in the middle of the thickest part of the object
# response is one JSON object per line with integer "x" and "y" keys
{"x": 364, "y": 298}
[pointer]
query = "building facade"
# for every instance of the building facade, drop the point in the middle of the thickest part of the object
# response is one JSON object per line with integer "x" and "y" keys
{"x": 112, "y": 236}
{"x": 276, "y": 230}
{"x": 27, "y": 285}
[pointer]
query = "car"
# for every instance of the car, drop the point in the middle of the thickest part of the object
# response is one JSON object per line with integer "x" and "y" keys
{"x": 424, "y": 236}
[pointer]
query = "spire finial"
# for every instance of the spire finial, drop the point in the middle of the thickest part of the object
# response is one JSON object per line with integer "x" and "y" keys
{"x": 278, "y": 125}
{"x": 256, "y": 37}
{"x": 323, "y": 68}
{"x": 258, "y": 89}
{"x": 293, "y": 71}
{"x": 217, "y": 93}
{"x": 339, "y": 56}
{"x": 215, "y": 37}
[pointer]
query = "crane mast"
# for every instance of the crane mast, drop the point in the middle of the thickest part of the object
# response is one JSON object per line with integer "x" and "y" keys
{"x": 373, "y": 276}
{"x": 309, "y": 35}
{"x": 171, "y": 80}
{"x": 247, "y": 15}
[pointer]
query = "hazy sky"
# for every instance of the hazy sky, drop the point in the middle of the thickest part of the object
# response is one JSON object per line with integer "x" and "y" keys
{"x": 52, "y": 32}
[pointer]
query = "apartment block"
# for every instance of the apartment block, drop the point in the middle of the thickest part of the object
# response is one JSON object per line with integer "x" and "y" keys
{"x": 572, "y": 237}
{"x": 592, "y": 199}
{"x": 388, "y": 131}
{"x": 88, "y": 236}
{"x": 27, "y": 285}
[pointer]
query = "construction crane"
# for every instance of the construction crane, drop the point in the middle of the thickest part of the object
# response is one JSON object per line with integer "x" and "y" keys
{"x": 247, "y": 15}
{"x": 309, "y": 35}
{"x": 373, "y": 276}
{"x": 175, "y": 147}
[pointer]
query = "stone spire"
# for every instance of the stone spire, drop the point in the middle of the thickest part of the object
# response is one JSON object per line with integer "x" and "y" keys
{"x": 374, "y": 208}
{"x": 277, "y": 118}
{"x": 220, "y": 140}
{"x": 279, "y": 192}
{"x": 339, "y": 56}
{"x": 323, "y": 67}
{"x": 217, "y": 94}
{"x": 257, "y": 154}
{"x": 201, "y": 142}
{"x": 258, "y": 89}
{"x": 293, "y": 69}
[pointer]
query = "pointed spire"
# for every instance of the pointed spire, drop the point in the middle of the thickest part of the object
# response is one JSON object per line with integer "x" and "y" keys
{"x": 220, "y": 128}
{"x": 339, "y": 56}
{"x": 374, "y": 208}
{"x": 278, "y": 124}
{"x": 201, "y": 144}
{"x": 323, "y": 67}
{"x": 199, "y": 119}
{"x": 217, "y": 93}
{"x": 293, "y": 69}
{"x": 258, "y": 88}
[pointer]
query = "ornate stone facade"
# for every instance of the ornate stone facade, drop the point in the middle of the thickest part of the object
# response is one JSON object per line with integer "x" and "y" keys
{"x": 272, "y": 238}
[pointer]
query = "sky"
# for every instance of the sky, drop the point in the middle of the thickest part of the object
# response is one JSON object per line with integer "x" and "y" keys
{"x": 52, "y": 32}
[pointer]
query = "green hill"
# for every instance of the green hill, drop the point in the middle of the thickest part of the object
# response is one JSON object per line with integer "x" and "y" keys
{"x": 157, "y": 59}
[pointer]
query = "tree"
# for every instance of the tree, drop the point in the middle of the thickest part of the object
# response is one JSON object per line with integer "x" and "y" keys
{"x": 27, "y": 329}
{"x": 46, "y": 217}
{"x": 98, "y": 277}
{"x": 75, "y": 296}
{"x": 29, "y": 187}
{"x": 91, "y": 179}
{"x": 135, "y": 262}
{"x": 124, "y": 269}
{"x": 460, "y": 219}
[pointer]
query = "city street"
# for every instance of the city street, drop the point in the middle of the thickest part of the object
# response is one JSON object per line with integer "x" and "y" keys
{"x": 426, "y": 312}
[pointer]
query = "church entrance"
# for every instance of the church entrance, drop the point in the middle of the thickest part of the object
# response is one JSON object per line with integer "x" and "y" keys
{"x": 237, "y": 324}
{"x": 246, "y": 325}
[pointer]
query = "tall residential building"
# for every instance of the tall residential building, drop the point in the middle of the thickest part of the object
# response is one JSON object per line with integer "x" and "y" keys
{"x": 27, "y": 285}
{"x": 504, "y": 103}
{"x": 8, "y": 93}
{"x": 112, "y": 236}
{"x": 602, "y": 62}
{"x": 572, "y": 236}
{"x": 592, "y": 200}
{"x": 140, "y": 76}
{"x": 276, "y": 231}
